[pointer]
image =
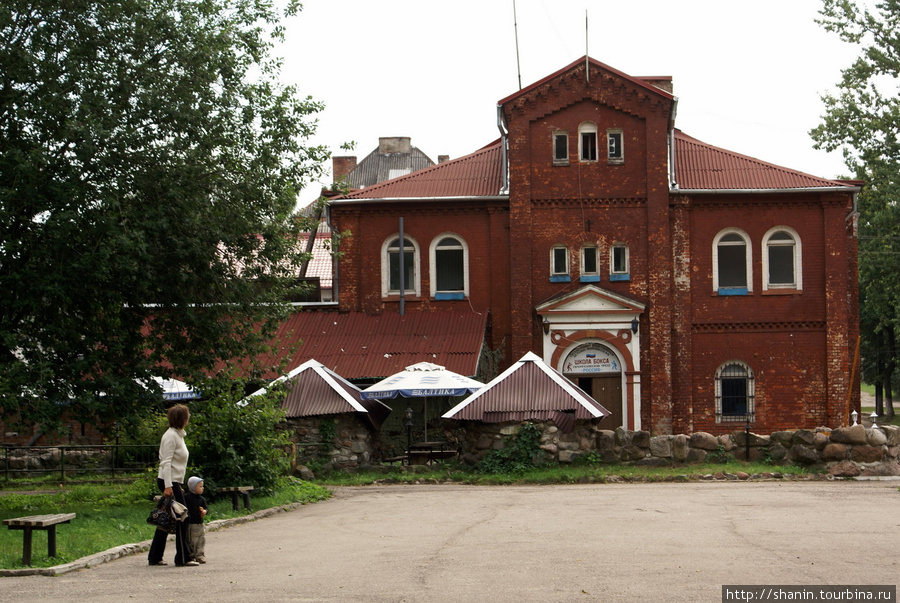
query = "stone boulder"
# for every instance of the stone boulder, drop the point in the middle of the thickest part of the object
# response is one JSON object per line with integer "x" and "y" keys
{"x": 803, "y": 454}
{"x": 844, "y": 469}
{"x": 875, "y": 437}
{"x": 704, "y": 441}
{"x": 866, "y": 454}
{"x": 834, "y": 452}
{"x": 855, "y": 434}
{"x": 661, "y": 446}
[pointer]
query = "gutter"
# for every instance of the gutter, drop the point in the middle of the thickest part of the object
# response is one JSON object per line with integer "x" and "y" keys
{"x": 757, "y": 191}
{"x": 672, "y": 183}
{"x": 502, "y": 197}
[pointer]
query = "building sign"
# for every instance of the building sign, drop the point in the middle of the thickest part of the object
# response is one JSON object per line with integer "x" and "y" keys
{"x": 592, "y": 358}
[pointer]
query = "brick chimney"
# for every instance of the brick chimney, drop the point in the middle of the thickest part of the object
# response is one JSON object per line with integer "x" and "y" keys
{"x": 342, "y": 166}
{"x": 443, "y": 158}
{"x": 394, "y": 144}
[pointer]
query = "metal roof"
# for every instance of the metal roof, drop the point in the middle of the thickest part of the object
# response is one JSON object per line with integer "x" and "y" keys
{"x": 313, "y": 389}
{"x": 700, "y": 166}
{"x": 377, "y": 167}
{"x": 529, "y": 389}
{"x": 475, "y": 175}
{"x": 361, "y": 346}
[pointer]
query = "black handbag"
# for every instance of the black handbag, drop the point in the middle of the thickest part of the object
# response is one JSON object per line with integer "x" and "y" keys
{"x": 162, "y": 516}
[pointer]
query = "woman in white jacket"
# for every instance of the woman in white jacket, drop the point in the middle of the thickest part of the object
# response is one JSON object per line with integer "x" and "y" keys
{"x": 173, "y": 458}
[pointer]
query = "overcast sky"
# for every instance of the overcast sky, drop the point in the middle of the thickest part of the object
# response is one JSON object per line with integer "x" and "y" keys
{"x": 748, "y": 75}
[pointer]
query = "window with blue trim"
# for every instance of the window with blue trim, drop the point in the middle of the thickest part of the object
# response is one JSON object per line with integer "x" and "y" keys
{"x": 731, "y": 270}
{"x": 590, "y": 264}
{"x": 559, "y": 264}
{"x": 619, "y": 269}
{"x": 449, "y": 268}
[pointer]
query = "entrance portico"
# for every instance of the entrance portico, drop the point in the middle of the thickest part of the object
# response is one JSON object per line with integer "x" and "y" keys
{"x": 591, "y": 335}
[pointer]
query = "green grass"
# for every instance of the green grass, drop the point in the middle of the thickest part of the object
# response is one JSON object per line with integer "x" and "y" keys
{"x": 552, "y": 474}
{"x": 110, "y": 515}
{"x": 870, "y": 408}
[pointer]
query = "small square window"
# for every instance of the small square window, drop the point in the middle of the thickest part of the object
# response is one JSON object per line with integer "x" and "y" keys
{"x": 615, "y": 151}
{"x": 560, "y": 148}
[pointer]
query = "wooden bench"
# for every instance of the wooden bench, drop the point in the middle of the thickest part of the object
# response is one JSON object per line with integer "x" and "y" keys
{"x": 243, "y": 491}
{"x": 38, "y": 522}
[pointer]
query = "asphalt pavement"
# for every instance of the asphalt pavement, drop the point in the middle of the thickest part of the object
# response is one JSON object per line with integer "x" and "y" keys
{"x": 455, "y": 543}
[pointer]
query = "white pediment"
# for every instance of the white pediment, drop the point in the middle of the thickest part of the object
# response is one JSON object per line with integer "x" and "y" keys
{"x": 590, "y": 299}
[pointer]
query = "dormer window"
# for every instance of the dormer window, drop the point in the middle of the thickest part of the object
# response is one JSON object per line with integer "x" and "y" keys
{"x": 587, "y": 141}
{"x": 560, "y": 148}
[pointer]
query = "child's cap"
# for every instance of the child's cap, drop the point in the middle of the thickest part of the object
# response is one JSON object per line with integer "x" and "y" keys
{"x": 193, "y": 481}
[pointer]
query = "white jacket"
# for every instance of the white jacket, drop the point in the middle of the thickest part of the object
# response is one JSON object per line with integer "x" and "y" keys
{"x": 173, "y": 457}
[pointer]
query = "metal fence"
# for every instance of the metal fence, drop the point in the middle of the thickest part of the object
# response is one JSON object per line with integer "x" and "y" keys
{"x": 31, "y": 461}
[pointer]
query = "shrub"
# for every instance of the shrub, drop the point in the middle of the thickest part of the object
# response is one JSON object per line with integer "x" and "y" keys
{"x": 521, "y": 453}
{"x": 234, "y": 441}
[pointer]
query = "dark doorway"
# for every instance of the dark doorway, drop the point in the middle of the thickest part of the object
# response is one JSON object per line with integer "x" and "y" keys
{"x": 607, "y": 390}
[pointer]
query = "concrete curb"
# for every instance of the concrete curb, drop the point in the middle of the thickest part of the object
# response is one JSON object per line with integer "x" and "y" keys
{"x": 132, "y": 549}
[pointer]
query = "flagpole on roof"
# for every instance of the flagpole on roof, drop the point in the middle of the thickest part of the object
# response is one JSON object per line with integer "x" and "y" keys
{"x": 587, "y": 70}
{"x": 516, "y": 30}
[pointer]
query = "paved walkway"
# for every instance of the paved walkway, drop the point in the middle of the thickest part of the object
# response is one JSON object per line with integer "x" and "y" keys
{"x": 454, "y": 543}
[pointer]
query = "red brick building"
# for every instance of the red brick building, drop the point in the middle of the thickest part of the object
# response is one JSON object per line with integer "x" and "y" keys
{"x": 685, "y": 287}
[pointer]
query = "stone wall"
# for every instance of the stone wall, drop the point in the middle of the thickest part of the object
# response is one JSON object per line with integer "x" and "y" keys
{"x": 844, "y": 452}
{"x": 352, "y": 445}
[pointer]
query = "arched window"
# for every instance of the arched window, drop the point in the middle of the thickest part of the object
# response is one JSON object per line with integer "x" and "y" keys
{"x": 782, "y": 268}
{"x": 390, "y": 267}
{"x": 732, "y": 272}
{"x": 735, "y": 392}
{"x": 587, "y": 141}
{"x": 449, "y": 263}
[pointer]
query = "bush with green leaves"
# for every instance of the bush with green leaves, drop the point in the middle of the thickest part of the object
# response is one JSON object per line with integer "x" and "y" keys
{"x": 521, "y": 453}
{"x": 234, "y": 440}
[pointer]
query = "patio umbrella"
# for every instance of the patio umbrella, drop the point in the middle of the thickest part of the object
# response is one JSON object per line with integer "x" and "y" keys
{"x": 421, "y": 381}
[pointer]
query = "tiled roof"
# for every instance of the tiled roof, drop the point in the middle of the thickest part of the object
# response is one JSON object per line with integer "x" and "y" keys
{"x": 699, "y": 166}
{"x": 359, "y": 346}
{"x": 529, "y": 389}
{"x": 321, "y": 264}
{"x": 475, "y": 175}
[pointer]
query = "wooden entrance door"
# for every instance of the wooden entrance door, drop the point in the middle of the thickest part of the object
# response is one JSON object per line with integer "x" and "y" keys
{"x": 607, "y": 390}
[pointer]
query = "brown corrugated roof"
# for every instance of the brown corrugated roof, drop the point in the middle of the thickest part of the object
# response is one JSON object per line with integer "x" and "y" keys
{"x": 700, "y": 166}
{"x": 358, "y": 346}
{"x": 313, "y": 390}
{"x": 475, "y": 175}
{"x": 529, "y": 389}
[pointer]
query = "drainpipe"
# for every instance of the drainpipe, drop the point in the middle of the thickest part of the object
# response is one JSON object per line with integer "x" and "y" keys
{"x": 504, "y": 173}
{"x": 335, "y": 288}
{"x": 672, "y": 183}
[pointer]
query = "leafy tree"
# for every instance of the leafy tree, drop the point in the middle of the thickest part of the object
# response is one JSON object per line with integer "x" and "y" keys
{"x": 235, "y": 441}
{"x": 149, "y": 165}
{"x": 863, "y": 119}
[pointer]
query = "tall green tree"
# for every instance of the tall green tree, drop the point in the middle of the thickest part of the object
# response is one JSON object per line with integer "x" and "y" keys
{"x": 863, "y": 119}
{"x": 149, "y": 166}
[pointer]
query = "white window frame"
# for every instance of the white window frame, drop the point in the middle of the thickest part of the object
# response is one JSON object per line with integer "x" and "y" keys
{"x": 590, "y": 275}
{"x": 432, "y": 263}
{"x": 619, "y": 274}
{"x": 797, "y": 285}
{"x": 559, "y": 276}
{"x": 748, "y": 260}
{"x": 415, "y": 288}
{"x": 750, "y": 394}
{"x": 553, "y": 138}
{"x": 610, "y": 135}
{"x": 588, "y": 127}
